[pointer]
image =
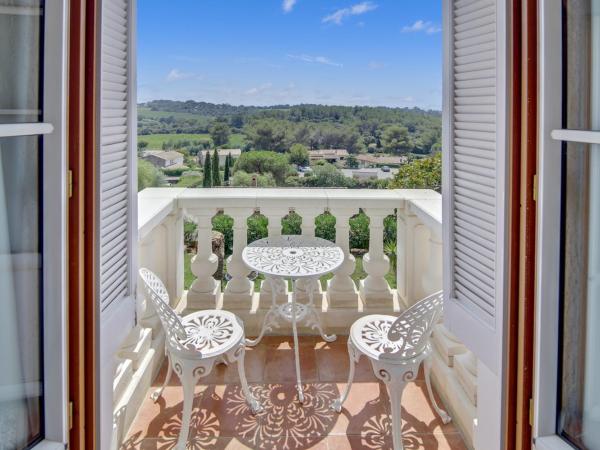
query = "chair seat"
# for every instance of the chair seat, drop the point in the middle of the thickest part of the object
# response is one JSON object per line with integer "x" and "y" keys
{"x": 212, "y": 332}
{"x": 369, "y": 334}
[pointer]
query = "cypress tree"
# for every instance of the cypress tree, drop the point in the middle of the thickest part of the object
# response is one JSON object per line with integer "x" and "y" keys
{"x": 226, "y": 170}
{"x": 207, "y": 181}
{"x": 216, "y": 175}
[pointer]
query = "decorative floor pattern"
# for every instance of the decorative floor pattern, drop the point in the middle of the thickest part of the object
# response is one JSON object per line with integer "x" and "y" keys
{"x": 221, "y": 419}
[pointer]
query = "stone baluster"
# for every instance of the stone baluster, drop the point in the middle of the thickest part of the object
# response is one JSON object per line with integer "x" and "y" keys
{"x": 432, "y": 273}
{"x": 174, "y": 256}
{"x": 406, "y": 252}
{"x": 341, "y": 289}
{"x": 308, "y": 229}
{"x": 146, "y": 314}
{"x": 374, "y": 290}
{"x": 274, "y": 227}
{"x": 239, "y": 290}
{"x": 205, "y": 292}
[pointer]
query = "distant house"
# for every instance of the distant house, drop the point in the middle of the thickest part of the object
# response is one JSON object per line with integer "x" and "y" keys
{"x": 369, "y": 174}
{"x": 165, "y": 160}
{"x": 331, "y": 155}
{"x": 222, "y": 152}
{"x": 378, "y": 161}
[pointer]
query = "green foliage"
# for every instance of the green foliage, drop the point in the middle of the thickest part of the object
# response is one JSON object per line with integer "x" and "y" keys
{"x": 207, "y": 171}
{"x": 142, "y": 145}
{"x": 325, "y": 227}
{"x": 351, "y": 162}
{"x": 177, "y": 172}
{"x": 215, "y": 172}
{"x": 224, "y": 225}
{"x": 190, "y": 233}
{"x": 263, "y": 162}
{"x": 191, "y": 181}
{"x": 425, "y": 173}
{"x": 396, "y": 139}
{"x": 148, "y": 175}
{"x": 326, "y": 175}
{"x": 267, "y": 135}
{"x": 227, "y": 168}
{"x": 219, "y": 132}
{"x": 257, "y": 227}
{"x": 359, "y": 231}
{"x": 291, "y": 224}
{"x": 244, "y": 179}
{"x": 298, "y": 154}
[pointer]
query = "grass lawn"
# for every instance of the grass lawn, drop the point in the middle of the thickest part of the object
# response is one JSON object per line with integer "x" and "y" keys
{"x": 155, "y": 141}
{"x": 359, "y": 274}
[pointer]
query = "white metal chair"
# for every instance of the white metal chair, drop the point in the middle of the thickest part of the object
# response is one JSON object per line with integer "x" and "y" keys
{"x": 194, "y": 344}
{"x": 396, "y": 347}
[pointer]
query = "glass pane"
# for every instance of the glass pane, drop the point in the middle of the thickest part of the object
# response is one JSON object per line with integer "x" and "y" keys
{"x": 20, "y": 60}
{"x": 21, "y": 388}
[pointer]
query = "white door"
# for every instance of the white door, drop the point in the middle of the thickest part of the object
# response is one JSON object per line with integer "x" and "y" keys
{"x": 33, "y": 405}
{"x": 474, "y": 192}
{"x": 116, "y": 193}
{"x": 567, "y": 392}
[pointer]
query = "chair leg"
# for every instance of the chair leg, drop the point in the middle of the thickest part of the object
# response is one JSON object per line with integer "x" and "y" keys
{"x": 395, "y": 391}
{"x": 158, "y": 392}
{"x": 353, "y": 356}
{"x": 255, "y": 406}
{"x": 443, "y": 414}
{"x": 188, "y": 384}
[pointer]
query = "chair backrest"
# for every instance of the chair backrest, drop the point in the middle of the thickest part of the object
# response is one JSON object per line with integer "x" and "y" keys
{"x": 158, "y": 295}
{"x": 412, "y": 329}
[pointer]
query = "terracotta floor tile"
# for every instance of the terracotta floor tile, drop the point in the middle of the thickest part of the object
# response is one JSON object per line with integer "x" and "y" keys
{"x": 222, "y": 420}
{"x": 280, "y": 366}
{"x": 333, "y": 364}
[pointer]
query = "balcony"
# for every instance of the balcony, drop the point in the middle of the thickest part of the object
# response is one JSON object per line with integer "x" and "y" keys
{"x": 220, "y": 418}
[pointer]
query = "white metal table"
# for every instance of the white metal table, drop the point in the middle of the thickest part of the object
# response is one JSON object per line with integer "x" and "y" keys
{"x": 294, "y": 258}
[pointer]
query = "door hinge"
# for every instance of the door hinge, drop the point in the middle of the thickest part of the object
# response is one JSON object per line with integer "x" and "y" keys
{"x": 535, "y": 188}
{"x": 70, "y": 183}
{"x": 70, "y": 415}
{"x": 531, "y": 412}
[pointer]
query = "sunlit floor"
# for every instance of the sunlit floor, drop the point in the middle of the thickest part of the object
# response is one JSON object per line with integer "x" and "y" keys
{"x": 221, "y": 420}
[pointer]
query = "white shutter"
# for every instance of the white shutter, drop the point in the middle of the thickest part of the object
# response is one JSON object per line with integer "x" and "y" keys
{"x": 117, "y": 153}
{"x": 474, "y": 178}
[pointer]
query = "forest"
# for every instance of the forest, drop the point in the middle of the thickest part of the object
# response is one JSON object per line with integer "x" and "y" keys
{"x": 358, "y": 129}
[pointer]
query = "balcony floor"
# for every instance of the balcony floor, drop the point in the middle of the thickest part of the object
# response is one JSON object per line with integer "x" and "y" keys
{"x": 222, "y": 421}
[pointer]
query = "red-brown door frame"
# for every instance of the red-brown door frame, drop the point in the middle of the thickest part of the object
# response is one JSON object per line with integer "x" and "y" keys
{"x": 81, "y": 223}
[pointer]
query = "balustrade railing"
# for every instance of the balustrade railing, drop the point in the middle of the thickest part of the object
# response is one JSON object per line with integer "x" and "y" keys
{"x": 417, "y": 262}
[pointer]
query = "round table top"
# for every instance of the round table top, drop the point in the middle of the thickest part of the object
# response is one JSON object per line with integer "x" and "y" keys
{"x": 293, "y": 256}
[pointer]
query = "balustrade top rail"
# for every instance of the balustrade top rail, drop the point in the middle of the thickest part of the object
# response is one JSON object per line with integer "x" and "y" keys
{"x": 154, "y": 204}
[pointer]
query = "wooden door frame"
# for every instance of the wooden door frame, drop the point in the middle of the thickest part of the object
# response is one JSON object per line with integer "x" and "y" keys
{"x": 82, "y": 336}
{"x": 522, "y": 254}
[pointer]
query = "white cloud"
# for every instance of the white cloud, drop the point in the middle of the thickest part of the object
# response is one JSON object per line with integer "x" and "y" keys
{"x": 176, "y": 75}
{"x": 356, "y": 10}
{"x": 422, "y": 26}
{"x": 376, "y": 65}
{"x": 259, "y": 89}
{"x": 288, "y": 5}
{"x": 315, "y": 60}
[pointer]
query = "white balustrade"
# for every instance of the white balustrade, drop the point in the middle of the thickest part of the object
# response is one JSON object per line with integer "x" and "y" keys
{"x": 308, "y": 214}
{"x": 375, "y": 291}
{"x": 239, "y": 290}
{"x": 341, "y": 289}
{"x": 205, "y": 291}
{"x": 418, "y": 264}
{"x": 274, "y": 216}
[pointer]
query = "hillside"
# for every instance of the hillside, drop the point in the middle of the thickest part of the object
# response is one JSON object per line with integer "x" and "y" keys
{"x": 358, "y": 129}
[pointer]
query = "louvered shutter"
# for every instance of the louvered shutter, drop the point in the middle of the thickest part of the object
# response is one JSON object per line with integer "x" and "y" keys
{"x": 117, "y": 153}
{"x": 474, "y": 178}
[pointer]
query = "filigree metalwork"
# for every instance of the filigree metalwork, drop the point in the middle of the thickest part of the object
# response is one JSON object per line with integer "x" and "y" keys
{"x": 293, "y": 256}
{"x": 208, "y": 332}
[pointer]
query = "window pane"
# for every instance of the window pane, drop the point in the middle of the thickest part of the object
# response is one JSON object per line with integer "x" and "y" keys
{"x": 21, "y": 388}
{"x": 579, "y": 415}
{"x": 20, "y": 60}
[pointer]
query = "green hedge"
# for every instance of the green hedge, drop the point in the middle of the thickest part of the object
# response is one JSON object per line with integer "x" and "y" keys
{"x": 291, "y": 224}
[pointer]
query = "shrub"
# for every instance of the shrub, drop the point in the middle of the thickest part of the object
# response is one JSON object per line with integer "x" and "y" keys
{"x": 243, "y": 179}
{"x": 263, "y": 163}
{"x": 149, "y": 175}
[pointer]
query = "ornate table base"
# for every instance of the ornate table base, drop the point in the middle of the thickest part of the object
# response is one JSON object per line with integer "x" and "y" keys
{"x": 292, "y": 312}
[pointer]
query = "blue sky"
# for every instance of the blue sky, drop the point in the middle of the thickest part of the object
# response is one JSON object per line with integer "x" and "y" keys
{"x": 265, "y": 52}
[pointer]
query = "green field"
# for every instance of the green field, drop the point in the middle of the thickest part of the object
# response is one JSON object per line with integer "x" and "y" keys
{"x": 155, "y": 141}
{"x": 147, "y": 112}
